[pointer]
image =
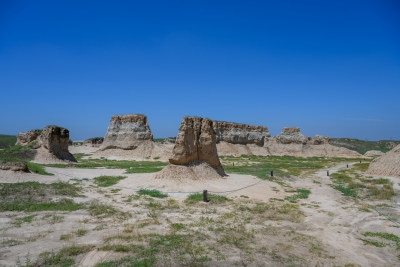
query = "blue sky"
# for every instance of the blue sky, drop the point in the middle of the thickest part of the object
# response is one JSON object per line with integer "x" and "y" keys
{"x": 328, "y": 67}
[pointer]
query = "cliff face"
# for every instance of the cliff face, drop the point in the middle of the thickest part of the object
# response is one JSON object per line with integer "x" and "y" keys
{"x": 194, "y": 155}
{"x": 236, "y": 133}
{"x": 127, "y": 131}
{"x": 55, "y": 140}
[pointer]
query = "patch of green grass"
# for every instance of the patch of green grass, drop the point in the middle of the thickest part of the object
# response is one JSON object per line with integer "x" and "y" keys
{"x": 373, "y": 243}
{"x": 128, "y": 261}
{"x": 31, "y": 206}
{"x": 301, "y": 193}
{"x": 130, "y": 166}
{"x": 383, "y": 192}
{"x": 34, "y": 196}
{"x": 345, "y": 191}
{"x": 81, "y": 232}
{"x": 65, "y": 257}
{"x": 214, "y": 199}
{"x": 37, "y": 168}
{"x": 105, "y": 181}
{"x": 19, "y": 221}
{"x": 7, "y": 140}
{"x": 386, "y": 236}
{"x": 101, "y": 210}
{"x": 362, "y": 146}
{"x": 152, "y": 193}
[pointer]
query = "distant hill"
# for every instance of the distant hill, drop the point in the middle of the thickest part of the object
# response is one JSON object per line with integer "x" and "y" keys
{"x": 7, "y": 140}
{"x": 362, "y": 146}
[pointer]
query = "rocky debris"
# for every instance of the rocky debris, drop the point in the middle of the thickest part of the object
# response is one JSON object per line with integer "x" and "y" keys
{"x": 236, "y": 133}
{"x": 13, "y": 166}
{"x": 126, "y": 132}
{"x": 319, "y": 140}
{"x": 94, "y": 141}
{"x": 54, "y": 140}
{"x": 25, "y": 138}
{"x": 387, "y": 164}
{"x": 291, "y": 135}
{"x": 170, "y": 140}
{"x": 372, "y": 153}
{"x": 194, "y": 155}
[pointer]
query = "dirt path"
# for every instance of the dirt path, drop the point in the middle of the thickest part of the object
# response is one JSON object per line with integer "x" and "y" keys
{"x": 336, "y": 220}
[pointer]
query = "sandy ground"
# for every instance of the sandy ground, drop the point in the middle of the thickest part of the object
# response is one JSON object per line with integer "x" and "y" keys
{"x": 330, "y": 217}
{"x": 339, "y": 222}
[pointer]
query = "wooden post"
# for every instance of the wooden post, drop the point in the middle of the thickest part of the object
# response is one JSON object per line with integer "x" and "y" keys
{"x": 205, "y": 198}
{"x": 327, "y": 173}
{"x": 272, "y": 173}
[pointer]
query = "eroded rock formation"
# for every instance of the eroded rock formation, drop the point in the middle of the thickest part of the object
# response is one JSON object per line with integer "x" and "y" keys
{"x": 25, "y": 138}
{"x": 94, "y": 141}
{"x": 237, "y": 133}
{"x": 54, "y": 140}
{"x": 195, "y": 152}
{"x": 126, "y": 132}
{"x": 13, "y": 166}
{"x": 387, "y": 164}
{"x": 291, "y": 135}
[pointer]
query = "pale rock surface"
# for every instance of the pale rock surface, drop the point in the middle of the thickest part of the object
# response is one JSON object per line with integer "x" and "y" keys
{"x": 13, "y": 166}
{"x": 195, "y": 153}
{"x": 237, "y": 133}
{"x": 127, "y": 132}
{"x": 25, "y": 138}
{"x": 291, "y": 135}
{"x": 95, "y": 141}
{"x": 386, "y": 165}
{"x": 53, "y": 142}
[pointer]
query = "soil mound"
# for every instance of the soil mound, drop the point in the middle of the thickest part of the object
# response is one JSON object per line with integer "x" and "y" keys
{"x": 386, "y": 165}
{"x": 194, "y": 155}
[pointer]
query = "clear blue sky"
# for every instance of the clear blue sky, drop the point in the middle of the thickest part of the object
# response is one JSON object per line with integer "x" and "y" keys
{"x": 328, "y": 67}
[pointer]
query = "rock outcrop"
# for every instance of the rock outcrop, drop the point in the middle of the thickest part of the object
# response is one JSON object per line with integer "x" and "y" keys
{"x": 291, "y": 135}
{"x": 195, "y": 152}
{"x": 13, "y": 166}
{"x": 236, "y": 133}
{"x": 170, "y": 140}
{"x": 319, "y": 140}
{"x": 25, "y": 138}
{"x": 95, "y": 141}
{"x": 54, "y": 140}
{"x": 127, "y": 132}
{"x": 386, "y": 165}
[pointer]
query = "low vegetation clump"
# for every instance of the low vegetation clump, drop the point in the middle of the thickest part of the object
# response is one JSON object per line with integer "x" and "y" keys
{"x": 105, "y": 181}
{"x": 213, "y": 199}
{"x": 300, "y": 194}
{"x": 131, "y": 166}
{"x": 282, "y": 166}
{"x": 101, "y": 210}
{"x": 385, "y": 236}
{"x": 34, "y": 196}
{"x": 152, "y": 193}
{"x": 65, "y": 257}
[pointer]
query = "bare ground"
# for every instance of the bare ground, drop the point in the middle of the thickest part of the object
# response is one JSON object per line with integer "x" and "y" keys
{"x": 254, "y": 229}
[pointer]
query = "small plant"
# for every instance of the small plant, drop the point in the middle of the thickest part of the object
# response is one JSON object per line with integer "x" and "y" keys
{"x": 152, "y": 193}
{"x": 105, "y": 181}
{"x": 215, "y": 199}
{"x": 301, "y": 193}
{"x": 81, "y": 232}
